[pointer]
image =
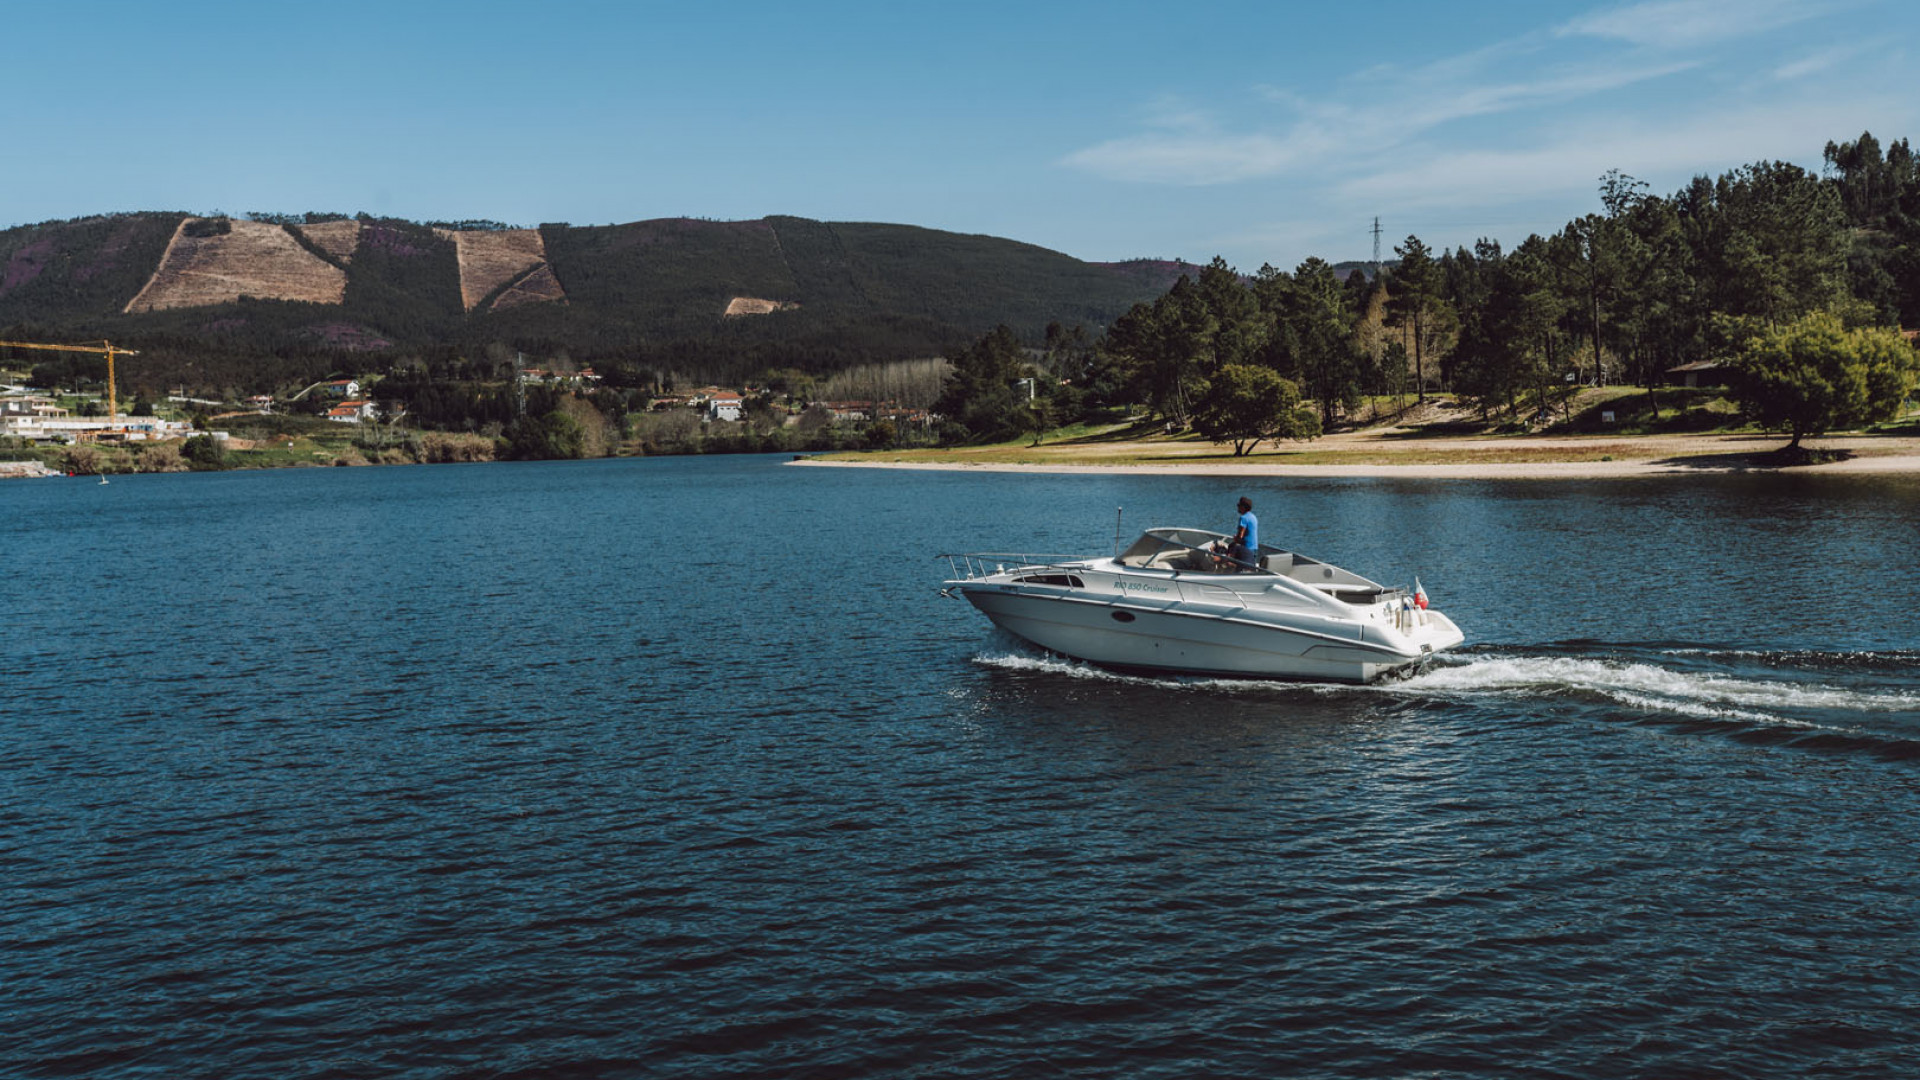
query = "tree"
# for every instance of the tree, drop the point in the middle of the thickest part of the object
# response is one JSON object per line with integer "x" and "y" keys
{"x": 1417, "y": 304}
{"x": 1245, "y": 404}
{"x": 204, "y": 452}
{"x": 82, "y": 460}
{"x": 551, "y": 435}
{"x": 813, "y": 418}
{"x": 979, "y": 391}
{"x": 1590, "y": 253}
{"x": 1068, "y": 352}
{"x": 1179, "y": 351}
{"x": 1313, "y": 339}
{"x": 1870, "y": 185}
{"x": 1814, "y": 375}
{"x": 1769, "y": 240}
{"x": 1235, "y": 325}
{"x": 1040, "y": 417}
{"x": 1658, "y": 320}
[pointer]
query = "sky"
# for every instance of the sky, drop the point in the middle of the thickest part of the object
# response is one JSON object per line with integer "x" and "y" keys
{"x": 1260, "y": 132}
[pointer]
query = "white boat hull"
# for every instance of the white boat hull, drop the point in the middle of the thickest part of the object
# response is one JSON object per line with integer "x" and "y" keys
{"x": 1205, "y": 639}
{"x": 1177, "y": 600}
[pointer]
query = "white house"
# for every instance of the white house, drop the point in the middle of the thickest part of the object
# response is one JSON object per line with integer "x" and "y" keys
{"x": 723, "y": 407}
{"x": 352, "y": 412}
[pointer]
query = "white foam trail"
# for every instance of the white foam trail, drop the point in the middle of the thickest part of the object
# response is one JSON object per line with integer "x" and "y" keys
{"x": 1649, "y": 686}
{"x": 1640, "y": 686}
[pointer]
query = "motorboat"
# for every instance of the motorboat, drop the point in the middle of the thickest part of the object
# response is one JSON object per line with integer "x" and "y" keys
{"x": 1173, "y": 602}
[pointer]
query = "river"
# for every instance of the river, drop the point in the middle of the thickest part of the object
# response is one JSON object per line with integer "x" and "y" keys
{"x": 681, "y": 768}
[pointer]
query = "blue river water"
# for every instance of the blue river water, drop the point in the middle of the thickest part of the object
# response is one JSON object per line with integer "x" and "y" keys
{"x": 681, "y": 768}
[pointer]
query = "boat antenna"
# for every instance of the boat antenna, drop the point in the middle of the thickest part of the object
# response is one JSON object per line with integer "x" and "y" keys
{"x": 1118, "y": 513}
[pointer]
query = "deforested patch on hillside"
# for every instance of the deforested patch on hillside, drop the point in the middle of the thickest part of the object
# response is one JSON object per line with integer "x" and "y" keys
{"x": 218, "y": 260}
{"x": 537, "y": 287}
{"x": 492, "y": 259}
{"x": 337, "y": 238}
{"x": 748, "y": 305}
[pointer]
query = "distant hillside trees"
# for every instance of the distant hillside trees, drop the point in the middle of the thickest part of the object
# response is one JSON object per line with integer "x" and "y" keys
{"x": 1644, "y": 283}
{"x": 1163, "y": 354}
{"x": 1652, "y": 283}
{"x": 1733, "y": 266}
{"x": 1511, "y": 343}
{"x": 912, "y": 384}
{"x": 978, "y": 400}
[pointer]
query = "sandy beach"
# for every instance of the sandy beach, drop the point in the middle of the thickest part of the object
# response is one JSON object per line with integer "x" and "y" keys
{"x": 1409, "y": 453}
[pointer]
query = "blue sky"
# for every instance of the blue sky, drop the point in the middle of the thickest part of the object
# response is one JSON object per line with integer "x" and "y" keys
{"x": 1264, "y": 132}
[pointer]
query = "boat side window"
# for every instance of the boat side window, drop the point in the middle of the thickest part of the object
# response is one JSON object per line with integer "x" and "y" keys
{"x": 1071, "y": 581}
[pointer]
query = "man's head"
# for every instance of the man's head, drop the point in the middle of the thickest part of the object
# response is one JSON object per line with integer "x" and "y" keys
{"x": 1246, "y": 504}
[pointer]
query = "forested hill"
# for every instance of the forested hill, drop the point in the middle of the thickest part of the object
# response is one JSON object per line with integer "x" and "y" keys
{"x": 263, "y": 300}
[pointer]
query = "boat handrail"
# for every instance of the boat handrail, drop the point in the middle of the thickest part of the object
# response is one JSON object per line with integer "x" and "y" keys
{"x": 979, "y": 564}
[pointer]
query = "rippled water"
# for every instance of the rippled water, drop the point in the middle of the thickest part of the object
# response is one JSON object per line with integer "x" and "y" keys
{"x": 680, "y": 768}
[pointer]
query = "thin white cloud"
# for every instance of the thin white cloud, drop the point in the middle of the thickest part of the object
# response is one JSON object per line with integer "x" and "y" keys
{"x": 1192, "y": 150}
{"x": 1814, "y": 64}
{"x": 1521, "y": 129}
{"x": 1680, "y": 24}
{"x": 1198, "y": 157}
{"x": 1572, "y": 164}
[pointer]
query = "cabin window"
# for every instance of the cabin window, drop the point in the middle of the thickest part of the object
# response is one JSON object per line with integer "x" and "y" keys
{"x": 1068, "y": 580}
{"x": 1123, "y": 616}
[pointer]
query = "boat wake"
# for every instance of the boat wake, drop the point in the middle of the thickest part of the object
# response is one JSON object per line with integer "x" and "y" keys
{"x": 1849, "y": 696}
{"x": 1654, "y": 687}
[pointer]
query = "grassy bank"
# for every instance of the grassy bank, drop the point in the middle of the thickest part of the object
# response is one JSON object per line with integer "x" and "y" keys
{"x": 1673, "y": 426}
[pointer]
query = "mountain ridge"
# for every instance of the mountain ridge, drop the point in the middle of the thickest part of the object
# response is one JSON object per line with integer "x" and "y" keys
{"x": 298, "y": 293}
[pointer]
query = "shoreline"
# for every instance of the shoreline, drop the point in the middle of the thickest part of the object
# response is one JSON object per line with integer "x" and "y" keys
{"x": 1538, "y": 470}
{"x": 1633, "y": 457}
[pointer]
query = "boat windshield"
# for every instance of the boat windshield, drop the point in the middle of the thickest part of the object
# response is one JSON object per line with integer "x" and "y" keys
{"x": 1177, "y": 549}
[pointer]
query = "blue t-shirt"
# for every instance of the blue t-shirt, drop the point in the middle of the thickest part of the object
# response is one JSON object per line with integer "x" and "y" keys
{"x": 1252, "y": 525}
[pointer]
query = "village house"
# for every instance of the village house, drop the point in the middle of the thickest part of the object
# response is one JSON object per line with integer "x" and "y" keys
{"x": 352, "y": 412}
{"x": 341, "y": 388}
{"x": 1698, "y": 373}
{"x": 849, "y": 410}
{"x": 546, "y": 377}
{"x": 29, "y": 405}
{"x": 724, "y": 406}
{"x": 901, "y": 417}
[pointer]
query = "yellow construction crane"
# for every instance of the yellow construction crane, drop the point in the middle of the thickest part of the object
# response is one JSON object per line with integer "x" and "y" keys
{"x": 107, "y": 347}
